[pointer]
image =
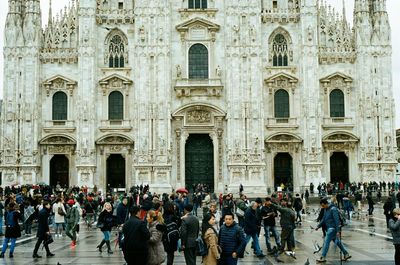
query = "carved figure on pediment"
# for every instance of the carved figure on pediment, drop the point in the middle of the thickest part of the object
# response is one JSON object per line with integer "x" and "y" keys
{"x": 198, "y": 116}
{"x": 218, "y": 71}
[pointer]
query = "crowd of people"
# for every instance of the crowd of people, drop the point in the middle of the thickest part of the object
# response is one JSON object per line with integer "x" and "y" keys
{"x": 152, "y": 227}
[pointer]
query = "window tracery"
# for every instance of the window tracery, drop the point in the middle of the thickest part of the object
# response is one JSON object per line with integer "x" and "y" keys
{"x": 116, "y": 50}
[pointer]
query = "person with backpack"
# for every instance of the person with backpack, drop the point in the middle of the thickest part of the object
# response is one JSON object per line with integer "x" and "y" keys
{"x": 13, "y": 230}
{"x": 210, "y": 238}
{"x": 332, "y": 221}
{"x": 59, "y": 214}
{"x": 72, "y": 217}
{"x": 232, "y": 241}
{"x": 171, "y": 236}
{"x": 89, "y": 211}
{"x": 298, "y": 206}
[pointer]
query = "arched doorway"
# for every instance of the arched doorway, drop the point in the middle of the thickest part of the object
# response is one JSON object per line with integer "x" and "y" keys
{"x": 59, "y": 171}
{"x": 115, "y": 171}
{"x": 339, "y": 167}
{"x": 283, "y": 171}
{"x": 199, "y": 161}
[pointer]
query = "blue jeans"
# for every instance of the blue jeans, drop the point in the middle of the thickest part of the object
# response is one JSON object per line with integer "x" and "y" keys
{"x": 272, "y": 229}
{"x": 5, "y": 245}
{"x": 106, "y": 235}
{"x": 1, "y": 224}
{"x": 255, "y": 242}
{"x": 331, "y": 235}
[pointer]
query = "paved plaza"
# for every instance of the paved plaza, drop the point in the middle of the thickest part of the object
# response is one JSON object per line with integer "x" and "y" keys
{"x": 366, "y": 238}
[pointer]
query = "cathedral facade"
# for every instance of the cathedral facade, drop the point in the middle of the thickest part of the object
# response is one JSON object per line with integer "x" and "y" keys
{"x": 116, "y": 93}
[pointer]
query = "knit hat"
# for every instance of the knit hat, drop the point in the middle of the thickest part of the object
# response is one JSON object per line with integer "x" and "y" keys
{"x": 71, "y": 202}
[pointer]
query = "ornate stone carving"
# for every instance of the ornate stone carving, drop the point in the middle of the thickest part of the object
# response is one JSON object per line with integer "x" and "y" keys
{"x": 58, "y": 83}
{"x": 114, "y": 140}
{"x": 211, "y": 27}
{"x": 198, "y": 116}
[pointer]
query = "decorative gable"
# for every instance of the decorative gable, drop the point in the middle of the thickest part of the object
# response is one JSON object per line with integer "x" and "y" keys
{"x": 198, "y": 29}
{"x": 336, "y": 80}
{"x": 281, "y": 80}
{"x": 59, "y": 82}
{"x": 115, "y": 81}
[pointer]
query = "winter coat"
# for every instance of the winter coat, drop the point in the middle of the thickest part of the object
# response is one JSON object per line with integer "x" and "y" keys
{"x": 211, "y": 241}
{"x": 394, "y": 226}
{"x": 108, "y": 219}
{"x": 122, "y": 213}
{"x": 232, "y": 239}
{"x": 14, "y": 231}
{"x": 270, "y": 214}
{"x": 136, "y": 236}
{"x": 288, "y": 216}
{"x": 156, "y": 249}
{"x": 72, "y": 215}
{"x": 43, "y": 223}
{"x": 250, "y": 222}
{"x": 331, "y": 218}
{"x": 59, "y": 219}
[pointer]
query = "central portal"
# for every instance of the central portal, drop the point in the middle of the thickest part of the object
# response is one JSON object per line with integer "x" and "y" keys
{"x": 115, "y": 171}
{"x": 199, "y": 161}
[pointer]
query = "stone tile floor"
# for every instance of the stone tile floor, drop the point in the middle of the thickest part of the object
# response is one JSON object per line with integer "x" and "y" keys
{"x": 367, "y": 240}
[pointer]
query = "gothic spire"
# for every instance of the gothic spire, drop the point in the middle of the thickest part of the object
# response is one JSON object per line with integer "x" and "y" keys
{"x": 50, "y": 21}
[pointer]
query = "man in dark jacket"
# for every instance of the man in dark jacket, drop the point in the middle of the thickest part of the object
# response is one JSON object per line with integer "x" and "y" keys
{"x": 251, "y": 228}
{"x": 189, "y": 233}
{"x": 298, "y": 206}
{"x": 122, "y": 217}
{"x": 332, "y": 222}
{"x": 136, "y": 236}
{"x": 43, "y": 230}
{"x": 231, "y": 240}
{"x": 269, "y": 214}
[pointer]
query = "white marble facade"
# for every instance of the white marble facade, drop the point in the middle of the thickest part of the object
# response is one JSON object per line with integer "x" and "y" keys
{"x": 163, "y": 106}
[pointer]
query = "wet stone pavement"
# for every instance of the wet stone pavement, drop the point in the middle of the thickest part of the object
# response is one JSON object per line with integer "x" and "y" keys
{"x": 366, "y": 239}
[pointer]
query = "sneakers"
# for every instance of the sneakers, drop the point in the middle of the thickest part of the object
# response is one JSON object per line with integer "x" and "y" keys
{"x": 346, "y": 257}
{"x": 261, "y": 255}
{"x": 321, "y": 260}
{"x": 73, "y": 243}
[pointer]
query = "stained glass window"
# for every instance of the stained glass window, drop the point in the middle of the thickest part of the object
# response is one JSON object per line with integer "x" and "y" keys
{"x": 280, "y": 51}
{"x": 116, "y": 52}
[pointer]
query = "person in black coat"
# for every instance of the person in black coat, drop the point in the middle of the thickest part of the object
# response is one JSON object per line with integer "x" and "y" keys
{"x": 251, "y": 228}
{"x": 170, "y": 219}
{"x": 136, "y": 236}
{"x": 107, "y": 221}
{"x": 43, "y": 230}
{"x": 13, "y": 230}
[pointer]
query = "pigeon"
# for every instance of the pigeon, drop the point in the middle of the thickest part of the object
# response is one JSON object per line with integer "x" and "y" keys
{"x": 291, "y": 254}
{"x": 58, "y": 263}
{"x": 317, "y": 247}
{"x": 307, "y": 262}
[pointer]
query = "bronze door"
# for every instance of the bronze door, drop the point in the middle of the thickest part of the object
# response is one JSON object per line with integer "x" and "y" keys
{"x": 339, "y": 167}
{"x": 199, "y": 161}
{"x": 283, "y": 171}
{"x": 59, "y": 171}
{"x": 116, "y": 171}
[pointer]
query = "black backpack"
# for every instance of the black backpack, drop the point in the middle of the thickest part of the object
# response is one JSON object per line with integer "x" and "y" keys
{"x": 171, "y": 235}
{"x": 201, "y": 247}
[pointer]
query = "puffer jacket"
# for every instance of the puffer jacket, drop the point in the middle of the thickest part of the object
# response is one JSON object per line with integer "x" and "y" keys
{"x": 394, "y": 226}
{"x": 232, "y": 239}
{"x": 156, "y": 248}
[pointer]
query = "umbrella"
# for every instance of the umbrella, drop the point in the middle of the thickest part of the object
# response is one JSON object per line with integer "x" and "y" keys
{"x": 182, "y": 190}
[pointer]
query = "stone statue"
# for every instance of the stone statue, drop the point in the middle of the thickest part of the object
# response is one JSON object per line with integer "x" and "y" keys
{"x": 218, "y": 71}
{"x": 178, "y": 71}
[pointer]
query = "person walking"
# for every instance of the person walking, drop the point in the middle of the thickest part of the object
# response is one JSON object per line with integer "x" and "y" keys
{"x": 241, "y": 208}
{"x": 43, "y": 230}
{"x": 105, "y": 223}
{"x": 156, "y": 225}
{"x": 172, "y": 222}
{"x": 388, "y": 207}
{"x": 232, "y": 241}
{"x": 1, "y": 216}
{"x": 287, "y": 222}
{"x": 251, "y": 228}
{"x": 29, "y": 214}
{"x": 72, "y": 218}
{"x": 269, "y": 214}
{"x": 189, "y": 232}
{"x": 59, "y": 214}
{"x": 332, "y": 222}
{"x": 89, "y": 211}
{"x": 394, "y": 224}
{"x": 13, "y": 230}
{"x": 210, "y": 237}
{"x": 136, "y": 237}
{"x": 370, "y": 203}
{"x": 298, "y": 206}
{"x": 122, "y": 217}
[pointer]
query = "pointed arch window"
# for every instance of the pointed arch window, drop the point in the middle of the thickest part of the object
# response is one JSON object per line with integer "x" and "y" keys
{"x": 198, "y": 62}
{"x": 197, "y": 4}
{"x": 281, "y": 104}
{"x": 115, "y": 106}
{"x": 60, "y": 106}
{"x": 280, "y": 51}
{"x": 336, "y": 103}
{"x": 116, "y": 52}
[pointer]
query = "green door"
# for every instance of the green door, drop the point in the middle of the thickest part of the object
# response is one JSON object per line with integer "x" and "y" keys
{"x": 283, "y": 171}
{"x": 199, "y": 161}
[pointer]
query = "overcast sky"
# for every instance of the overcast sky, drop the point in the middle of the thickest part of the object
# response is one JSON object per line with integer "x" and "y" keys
{"x": 393, "y": 6}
